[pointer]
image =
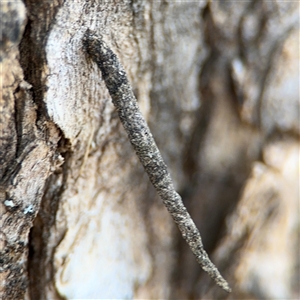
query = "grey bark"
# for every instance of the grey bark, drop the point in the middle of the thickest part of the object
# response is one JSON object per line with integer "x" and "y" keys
{"x": 218, "y": 84}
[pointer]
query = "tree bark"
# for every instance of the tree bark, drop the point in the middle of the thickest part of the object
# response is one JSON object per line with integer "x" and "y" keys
{"x": 217, "y": 82}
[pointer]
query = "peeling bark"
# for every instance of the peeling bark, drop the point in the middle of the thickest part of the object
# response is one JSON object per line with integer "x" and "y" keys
{"x": 218, "y": 84}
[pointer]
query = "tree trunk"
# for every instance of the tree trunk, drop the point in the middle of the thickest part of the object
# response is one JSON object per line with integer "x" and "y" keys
{"x": 217, "y": 82}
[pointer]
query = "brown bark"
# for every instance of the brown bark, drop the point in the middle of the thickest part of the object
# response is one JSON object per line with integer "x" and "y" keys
{"x": 218, "y": 84}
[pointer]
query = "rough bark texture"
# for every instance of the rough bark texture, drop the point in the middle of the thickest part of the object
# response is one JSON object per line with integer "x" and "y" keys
{"x": 218, "y": 84}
